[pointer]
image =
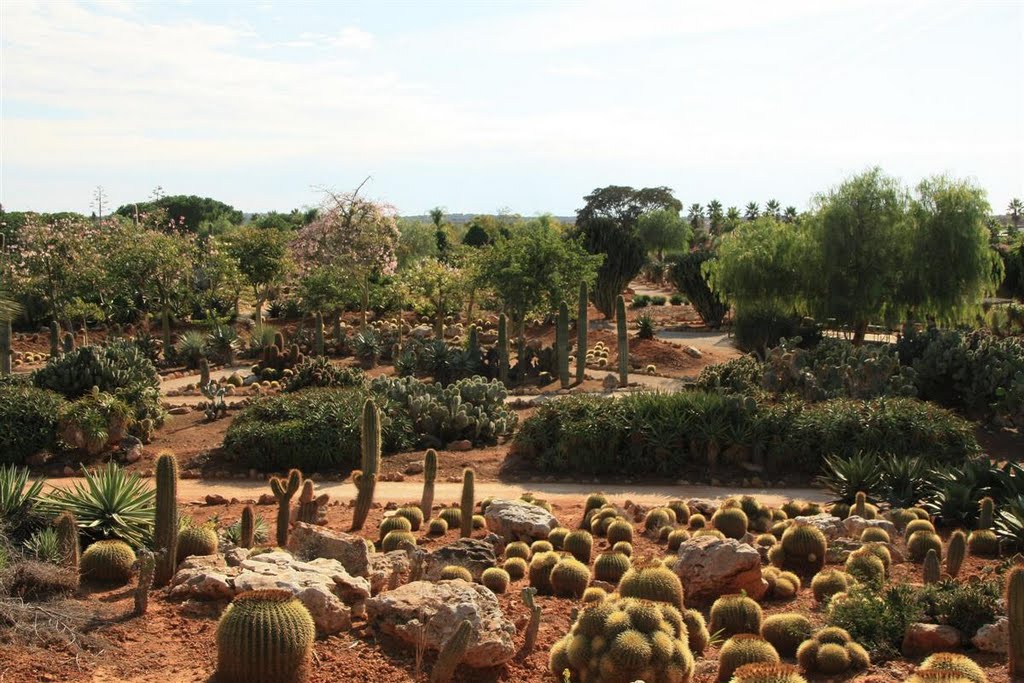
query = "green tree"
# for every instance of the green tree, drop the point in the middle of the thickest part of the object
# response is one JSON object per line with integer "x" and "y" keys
{"x": 625, "y": 205}
{"x": 752, "y": 211}
{"x": 188, "y": 212}
{"x": 417, "y": 240}
{"x": 437, "y": 287}
{"x": 715, "y": 216}
{"x": 263, "y": 261}
{"x": 1015, "y": 209}
{"x": 663, "y": 229}
{"x": 696, "y": 217}
{"x": 790, "y": 215}
{"x": 773, "y": 209}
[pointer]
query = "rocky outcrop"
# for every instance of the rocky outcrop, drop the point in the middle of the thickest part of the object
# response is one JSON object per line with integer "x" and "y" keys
{"x": 855, "y": 526}
{"x": 309, "y": 542}
{"x": 474, "y": 555}
{"x": 831, "y": 526}
{"x": 924, "y": 639}
{"x": 993, "y": 638}
{"x": 517, "y": 519}
{"x": 710, "y": 567}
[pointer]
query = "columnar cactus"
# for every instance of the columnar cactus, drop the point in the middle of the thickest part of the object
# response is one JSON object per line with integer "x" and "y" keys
{"x": 468, "y": 501}
{"x": 310, "y": 505}
{"x": 452, "y": 652}
{"x": 429, "y": 476}
{"x": 165, "y": 531}
{"x": 147, "y": 563}
{"x": 987, "y": 513}
{"x": 1015, "y": 612}
{"x": 502, "y": 350}
{"x": 279, "y": 342}
{"x": 366, "y": 478}
{"x": 283, "y": 489}
{"x": 108, "y": 561}
{"x": 67, "y": 540}
{"x": 955, "y": 552}
{"x": 54, "y": 339}
{"x": 6, "y": 357}
{"x": 68, "y": 343}
{"x": 204, "y": 372}
{"x": 562, "y": 344}
{"x": 623, "y": 341}
{"x": 533, "y": 627}
{"x": 318, "y": 331}
{"x": 932, "y": 567}
{"x": 581, "y": 334}
{"x": 265, "y": 636}
{"x": 247, "y": 530}
{"x": 860, "y": 507}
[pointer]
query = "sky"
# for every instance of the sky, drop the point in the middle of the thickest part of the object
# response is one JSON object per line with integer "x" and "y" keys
{"x": 490, "y": 105}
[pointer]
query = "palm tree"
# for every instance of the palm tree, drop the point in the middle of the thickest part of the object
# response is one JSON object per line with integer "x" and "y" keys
{"x": 437, "y": 215}
{"x": 1015, "y": 209}
{"x": 753, "y": 211}
{"x": 696, "y": 216}
{"x": 714, "y": 209}
{"x": 773, "y": 209}
{"x": 790, "y": 214}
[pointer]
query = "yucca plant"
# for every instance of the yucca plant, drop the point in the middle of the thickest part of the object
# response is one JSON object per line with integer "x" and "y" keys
{"x": 845, "y": 477}
{"x": 645, "y": 327}
{"x": 223, "y": 343}
{"x": 191, "y": 348}
{"x": 109, "y": 504}
{"x": 233, "y": 533}
{"x": 44, "y": 545}
{"x": 17, "y": 495}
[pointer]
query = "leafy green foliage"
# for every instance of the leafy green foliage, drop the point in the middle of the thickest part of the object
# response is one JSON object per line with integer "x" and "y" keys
{"x": 663, "y": 230}
{"x": 877, "y": 621}
{"x": 645, "y": 327}
{"x": 29, "y": 417}
{"x": 94, "y": 423}
{"x": 623, "y": 255}
{"x": 191, "y": 212}
{"x": 758, "y": 328}
{"x": 964, "y": 605}
{"x": 688, "y": 275}
{"x": 846, "y": 477}
{"x": 18, "y": 502}
{"x": 44, "y": 545}
{"x": 320, "y": 372}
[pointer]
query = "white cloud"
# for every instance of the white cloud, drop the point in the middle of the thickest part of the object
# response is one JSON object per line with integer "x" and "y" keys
{"x": 353, "y": 37}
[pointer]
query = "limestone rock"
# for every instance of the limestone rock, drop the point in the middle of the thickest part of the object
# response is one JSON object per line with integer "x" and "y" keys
{"x": 309, "y": 541}
{"x": 710, "y": 567}
{"x": 993, "y": 638}
{"x": 235, "y": 556}
{"x": 441, "y": 607}
{"x": 388, "y": 570}
{"x": 517, "y": 519}
{"x": 475, "y": 555}
{"x": 831, "y": 526}
{"x": 924, "y": 639}
{"x": 702, "y": 506}
{"x": 855, "y": 526}
{"x": 203, "y": 583}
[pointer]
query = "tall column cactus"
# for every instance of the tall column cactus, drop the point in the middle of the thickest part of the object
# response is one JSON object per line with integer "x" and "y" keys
{"x": 562, "y": 344}
{"x": 147, "y": 564}
{"x": 955, "y": 552}
{"x": 533, "y": 627}
{"x": 6, "y": 356}
{"x": 318, "y": 330}
{"x": 581, "y": 334}
{"x": 67, "y": 540}
{"x": 932, "y": 567}
{"x": 165, "y": 532}
{"x": 623, "y": 340}
{"x": 987, "y": 513}
{"x": 502, "y": 350}
{"x": 247, "y": 532}
{"x": 366, "y": 478}
{"x": 54, "y": 339}
{"x": 283, "y": 490}
{"x": 468, "y": 500}
{"x": 1015, "y": 613}
{"x": 310, "y": 504}
{"x": 429, "y": 475}
{"x": 451, "y": 653}
{"x": 860, "y": 507}
{"x": 204, "y": 372}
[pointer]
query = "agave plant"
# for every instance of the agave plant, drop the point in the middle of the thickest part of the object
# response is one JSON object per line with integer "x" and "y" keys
{"x": 1010, "y": 523}
{"x": 110, "y": 503}
{"x": 645, "y": 327}
{"x": 905, "y": 481}
{"x": 18, "y": 501}
{"x": 223, "y": 342}
{"x": 845, "y": 477}
{"x": 191, "y": 348}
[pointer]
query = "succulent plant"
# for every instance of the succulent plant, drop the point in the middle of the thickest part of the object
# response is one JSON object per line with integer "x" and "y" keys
{"x": 960, "y": 665}
{"x": 516, "y": 567}
{"x": 312, "y": 508}
{"x": 656, "y": 519}
{"x": 730, "y": 521}
{"x": 540, "y": 547}
{"x": 594, "y": 595}
{"x": 1015, "y": 614}
{"x": 496, "y": 579}
{"x": 540, "y": 571}
{"x": 986, "y": 513}
{"x": 569, "y": 578}
{"x": 920, "y": 542}
{"x": 983, "y": 543}
{"x": 697, "y": 521}
{"x": 283, "y": 490}
{"x": 619, "y": 530}
{"x": 594, "y": 501}
{"x": 247, "y": 527}
{"x": 453, "y": 516}
{"x": 802, "y": 550}
{"x": 429, "y": 476}
{"x": 676, "y": 538}
{"x": 956, "y": 549}
{"x": 108, "y": 561}
{"x": 264, "y": 636}
{"x": 866, "y": 568}
{"x": 831, "y": 651}
{"x": 610, "y": 567}
{"x": 468, "y": 502}
{"x": 365, "y": 479}
{"x": 452, "y": 652}
{"x": 622, "y": 340}
{"x": 681, "y": 510}
{"x": 518, "y": 549}
{"x": 452, "y": 572}
{"x": 413, "y": 514}
{"x": 733, "y": 614}
{"x": 147, "y": 564}
{"x": 196, "y": 540}
{"x": 67, "y": 542}
{"x": 623, "y": 547}
{"x": 782, "y": 585}
{"x": 556, "y": 537}
{"x": 580, "y": 545}
{"x": 437, "y": 527}
{"x": 652, "y": 582}
{"x": 932, "y": 567}
{"x": 874, "y": 534}
{"x": 916, "y": 525}
{"x": 396, "y": 540}
{"x": 827, "y": 583}
{"x": 786, "y": 632}
{"x": 767, "y": 673}
{"x": 697, "y": 630}
{"x": 741, "y": 649}
{"x": 394, "y": 523}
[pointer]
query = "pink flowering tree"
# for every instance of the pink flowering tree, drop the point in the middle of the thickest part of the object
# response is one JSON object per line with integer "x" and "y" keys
{"x": 356, "y": 235}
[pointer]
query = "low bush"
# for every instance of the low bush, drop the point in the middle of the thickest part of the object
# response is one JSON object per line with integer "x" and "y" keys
{"x": 964, "y": 605}
{"x": 32, "y": 581}
{"x": 320, "y": 372}
{"x": 28, "y": 422}
{"x": 658, "y": 300}
{"x": 645, "y": 434}
{"x": 677, "y": 300}
{"x": 94, "y": 422}
{"x": 758, "y": 329}
{"x": 315, "y": 430}
{"x": 640, "y": 301}
{"x": 878, "y": 621}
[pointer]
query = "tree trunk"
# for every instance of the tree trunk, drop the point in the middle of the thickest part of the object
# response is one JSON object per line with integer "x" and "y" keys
{"x": 860, "y": 329}
{"x": 166, "y": 326}
{"x": 258, "y": 317}
{"x": 366, "y": 302}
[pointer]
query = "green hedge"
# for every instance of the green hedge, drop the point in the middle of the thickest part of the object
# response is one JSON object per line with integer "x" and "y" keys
{"x": 665, "y": 434}
{"x": 316, "y": 430}
{"x": 28, "y": 422}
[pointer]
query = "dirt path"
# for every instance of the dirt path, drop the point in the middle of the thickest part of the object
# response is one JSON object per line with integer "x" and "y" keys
{"x": 198, "y": 489}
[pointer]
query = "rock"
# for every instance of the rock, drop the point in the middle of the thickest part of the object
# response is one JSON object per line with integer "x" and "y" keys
{"x": 702, "y": 506}
{"x": 924, "y": 639}
{"x": 267, "y": 499}
{"x": 38, "y": 459}
{"x": 202, "y": 562}
{"x": 441, "y": 607}
{"x": 203, "y": 584}
{"x": 235, "y": 556}
{"x": 179, "y": 410}
{"x": 855, "y": 526}
{"x": 461, "y": 445}
{"x": 421, "y": 332}
{"x": 133, "y": 454}
{"x": 839, "y": 549}
{"x": 388, "y": 570}
{"x": 309, "y": 541}
{"x": 216, "y": 499}
{"x": 831, "y": 526}
{"x": 415, "y": 467}
{"x": 473, "y": 554}
{"x": 710, "y": 567}
{"x": 692, "y": 351}
{"x": 517, "y": 519}
{"x": 993, "y": 638}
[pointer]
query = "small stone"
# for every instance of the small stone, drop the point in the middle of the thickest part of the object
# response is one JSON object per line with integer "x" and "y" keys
{"x": 216, "y": 499}
{"x": 924, "y": 639}
{"x": 68, "y": 471}
{"x": 415, "y": 467}
{"x": 179, "y": 410}
{"x": 267, "y": 499}
{"x": 993, "y": 638}
{"x": 461, "y": 445}
{"x": 38, "y": 459}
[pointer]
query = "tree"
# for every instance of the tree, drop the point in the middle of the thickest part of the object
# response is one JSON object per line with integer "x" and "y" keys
{"x": 752, "y": 211}
{"x": 263, "y": 260}
{"x": 663, "y": 229}
{"x": 356, "y": 234}
{"x": 188, "y": 211}
{"x": 533, "y": 269}
{"x": 790, "y": 215}
{"x": 1015, "y": 209}
{"x": 437, "y": 286}
{"x": 773, "y": 209}
{"x": 625, "y": 205}
{"x": 696, "y": 216}
{"x": 715, "y": 216}
{"x": 99, "y": 199}
{"x": 417, "y": 240}
{"x": 732, "y": 219}
{"x": 476, "y": 236}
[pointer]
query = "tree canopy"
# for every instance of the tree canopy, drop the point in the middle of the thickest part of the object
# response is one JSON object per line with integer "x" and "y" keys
{"x": 194, "y": 214}
{"x": 663, "y": 230}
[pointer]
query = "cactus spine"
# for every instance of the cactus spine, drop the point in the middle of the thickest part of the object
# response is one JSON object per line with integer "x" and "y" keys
{"x": 204, "y": 372}
{"x": 581, "y": 334}
{"x": 502, "y": 352}
{"x": 562, "y": 344}
{"x": 264, "y": 636}
{"x": 366, "y": 478}
{"x": 466, "y": 505}
{"x": 533, "y": 627}
{"x": 932, "y": 568}
{"x": 310, "y": 504}
{"x": 67, "y": 538}
{"x": 452, "y": 653}
{"x": 318, "y": 330}
{"x": 283, "y": 490}
{"x": 54, "y": 339}
{"x": 429, "y": 475}
{"x": 955, "y": 552}
{"x": 248, "y": 527}
{"x": 165, "y": 532}
{"x": 623, "y": 341}
{"x": 1015, "y": 612}
{"x": 147, "y": 564}
{"x": 985, "y": 518}
{"x": 6, "y": 357}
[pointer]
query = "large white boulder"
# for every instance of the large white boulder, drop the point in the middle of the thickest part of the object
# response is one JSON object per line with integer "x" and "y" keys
{"x": 517, "y": 519}
{"x": 710, "y": 567}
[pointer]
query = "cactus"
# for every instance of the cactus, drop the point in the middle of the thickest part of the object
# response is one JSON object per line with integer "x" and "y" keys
{"x": 620, "y": 530}
{"x": 396, "y": 540}
{"x": 556, "y": 537}
{"x": 733, "y": 614}
{"x": 468, "y": 502}
{"x": 516, "y": 568}
{"x": 932, "y": 567}
{"x": 831, "y": 651}
{"x": 786, "y": 631}
{"x": 983, "y": 542}
{"x": 147, "y": 565}
{"x": 987, "y": 513}
{"x": 741, "y": 649}
{"x": 496, "y": 579}
{"x": 1015, "y": 612}
{"x": 860, "y": 507}
{"x": 67, "y": 541}
{"x": 595, "y": 501}
{"x": 413, "y": 514}
{"x": 518, "y": 549}
{"x": 503, "y": 358}
{"x": 874, "y": 534}
{"x": 623, "y": 341}
{"x": 366, "y": 478}
{"x": 781, "y": 585}
{"x": 954, "y": 664}
{"x": 54, "y": 339}
{"x": 569, "y": 578}
{"x": 264, "y": 636}
{"x": 429, "y": 475}
{"x": 802, "y": 550}
{"x": 767, "y": 673}
{"x": 318, "y": 332}
{"x": 579, "y": 544}
{"x": 657, "y": 518}
{"x": 866, "y": 568}
{"x": 394, "y": 523}
{"x": 581, "y": 334}
{"x": 283, "y": 490}
{"x": 920, "y": 542}
{"x": 654, "y": 582}
{"x": 452, "y": 516}
{"x": 310, "y": 506}
{"x": 204, "y": 372}
{"x": 453, "y": 572}
{"x": 451, "y": 653}
{"x": 437, "y": 527}
{"x": 532, "y": 628}
{"x": 677, "y": 537}
{"x": 196, "y": 540}
{"x": 562, "y": 344}
{"x": 540, "y": 571}
{"x": 247, "y": 530}
{"x": 826, "y": 584}
{"x": 955, "y": 552}
{"x": 279, "y": 342}
{"x": 108, "y": 561}
{"x": 730, "y": 521}
{"x": 165, "y": 531}
{"x": 611, "y": 567}
{"x": 697, "y": 630}
{"x": 916, "y": 525}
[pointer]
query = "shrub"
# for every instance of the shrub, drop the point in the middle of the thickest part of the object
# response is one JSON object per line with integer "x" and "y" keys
{"x": 645, "y": 327}
{"x": 28, "y": 422}
{"x": 687, "y": 275}
{"x": 18, "y": 500}
{"x": 313, "y": 430}
{"x": 878, "y": 621}
{"x": 965, "y": 605}
{"x": 760, "y": 328}
{"x": 30, "y": 580}
{"x": 658, "y": 300}
{"x": 640, "y": 301}
{"x": 320, "y": 372}
{"x": 677, "y": 300}
{"x": 94, "y": 422}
